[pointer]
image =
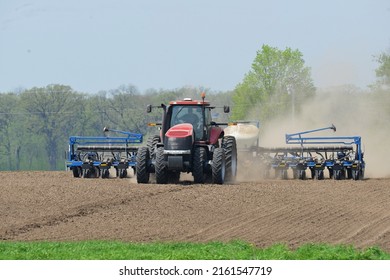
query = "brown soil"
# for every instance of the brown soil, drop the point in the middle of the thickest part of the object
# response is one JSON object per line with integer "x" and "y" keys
{"x": 55, "y": 206}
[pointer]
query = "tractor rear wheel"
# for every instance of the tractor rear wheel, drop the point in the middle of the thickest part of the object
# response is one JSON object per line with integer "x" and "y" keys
{"x": 161, "y": 167}
{"x": 152, "y": 144}
{"x": 143, "y": 158}
{"x": 218, "y": 167}
{"x": 229, "y": 145}
{"x": 198, "y": 162}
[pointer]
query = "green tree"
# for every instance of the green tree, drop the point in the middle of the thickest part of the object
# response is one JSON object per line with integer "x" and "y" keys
{"x": 277, "y": 83}
{"x": 125, "y": 109}
{"x": 53, "y": 113}
{"x": 383, "y": 71}
{"x": 95, "y": 115}
{"x": 8, "y": 113}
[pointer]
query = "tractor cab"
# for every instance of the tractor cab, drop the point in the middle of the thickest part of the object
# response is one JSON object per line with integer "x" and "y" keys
{"x": 197, "y": 115}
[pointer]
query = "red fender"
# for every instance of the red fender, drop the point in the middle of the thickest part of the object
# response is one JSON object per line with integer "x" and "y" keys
{"x": 215, "y": 132}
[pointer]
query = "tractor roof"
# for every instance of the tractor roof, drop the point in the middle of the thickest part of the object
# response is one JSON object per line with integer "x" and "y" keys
{"x": 189, "y": 101}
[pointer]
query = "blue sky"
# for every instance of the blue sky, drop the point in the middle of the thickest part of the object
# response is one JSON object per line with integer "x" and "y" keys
{"x": 95, "y": 45}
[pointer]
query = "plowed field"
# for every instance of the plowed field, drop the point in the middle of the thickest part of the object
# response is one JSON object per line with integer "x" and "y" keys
{"x": 55, "y": 206}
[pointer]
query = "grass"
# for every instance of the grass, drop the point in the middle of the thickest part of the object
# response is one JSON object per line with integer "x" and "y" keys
{"x": 235, "y": 250}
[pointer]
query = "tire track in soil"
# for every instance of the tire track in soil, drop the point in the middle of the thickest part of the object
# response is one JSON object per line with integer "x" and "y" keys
{"x": 79, "y": 212}
{"x": 370, "y": 223}
{"x": 307, "y": 220}
{"x": 55, "y": 206}
{"x": 371, "y": 232}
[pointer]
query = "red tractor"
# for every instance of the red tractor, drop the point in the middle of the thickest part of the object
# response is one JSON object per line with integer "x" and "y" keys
{"x": 189, "y": 141}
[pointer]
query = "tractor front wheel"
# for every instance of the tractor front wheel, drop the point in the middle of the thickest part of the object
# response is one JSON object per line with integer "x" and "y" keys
{"x": 198, "y": 162}
{"x": 161, "y": 167}
{"x": 143, "y": 158}
{"x": 218, "y": 166}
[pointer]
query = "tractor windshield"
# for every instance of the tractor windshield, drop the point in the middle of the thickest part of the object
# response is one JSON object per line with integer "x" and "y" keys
{"x": 189, "y": 114}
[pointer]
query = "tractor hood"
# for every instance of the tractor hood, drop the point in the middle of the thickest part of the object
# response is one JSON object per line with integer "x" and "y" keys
{"x": 180, "y": 131}
{"x": 179, "y": 137}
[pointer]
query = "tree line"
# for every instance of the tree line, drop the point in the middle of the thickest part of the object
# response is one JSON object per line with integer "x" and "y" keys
{"x": 36, "y": 123}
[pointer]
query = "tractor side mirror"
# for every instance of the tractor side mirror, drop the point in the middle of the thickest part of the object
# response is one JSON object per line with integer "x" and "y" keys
{"x": 226, "y": 109}
{"x": 148, "y": 108}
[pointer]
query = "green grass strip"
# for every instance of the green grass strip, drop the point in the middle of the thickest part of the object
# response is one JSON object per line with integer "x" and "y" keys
{"x": 234, "y": 250}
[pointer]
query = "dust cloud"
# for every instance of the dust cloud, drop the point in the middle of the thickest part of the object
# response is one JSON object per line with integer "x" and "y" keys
{"x": 353, "y": 112}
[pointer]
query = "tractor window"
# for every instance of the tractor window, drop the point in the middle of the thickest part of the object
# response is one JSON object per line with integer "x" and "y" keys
{"x": 208, "y": 120}
{"x": 208, "y": 117}
{"x": 189, "y": 114}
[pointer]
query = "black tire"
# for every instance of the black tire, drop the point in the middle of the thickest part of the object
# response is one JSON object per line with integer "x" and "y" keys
{"x": 229, "y": 146}
{"x": 331, "y": 173}
{"x": 77, "y": 172}
{"x": 312, "y": 173}
{"x": 105, "y": 173}
{"x": 218, "y": 168}
{"x": 143, "y": 158}
{"x": 93, "y": 172}
{"x": 338, "y": 174}
{"x": 302, "y": 174}
{"x": 152, "y": 144}
{"x": 357, "y": 174}
{"x": 173, "y": 177}
{"x": 96, "y": 172}
{"x": 319, "y": 174}
{"x": 349, "y": 173}
{"x": 198, "y": 165}
{"x": 87, "y": 173}
{"x": 123, "y": 173}
{"x": 161, "y": 167}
